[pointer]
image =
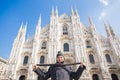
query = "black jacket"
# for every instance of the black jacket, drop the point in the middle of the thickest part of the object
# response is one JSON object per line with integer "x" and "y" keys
{"x": 60, "y": 73}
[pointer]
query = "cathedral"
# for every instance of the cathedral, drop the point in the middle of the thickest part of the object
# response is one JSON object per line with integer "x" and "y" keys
{"x": 78, "y": 43}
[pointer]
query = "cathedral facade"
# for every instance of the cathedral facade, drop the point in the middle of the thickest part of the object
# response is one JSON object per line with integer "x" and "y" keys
{"x": 3, "y": 65}
{"x": 78, "y": 43}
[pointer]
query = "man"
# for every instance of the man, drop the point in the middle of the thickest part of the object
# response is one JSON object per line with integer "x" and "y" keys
{"x": 60, "y": 72}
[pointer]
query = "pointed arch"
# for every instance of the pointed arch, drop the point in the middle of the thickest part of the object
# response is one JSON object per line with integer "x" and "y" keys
{"x": 114, "y": 77}
{"x": 91, "y": 58}
{"x": 25, "y": 60}
{"x": 108, "y": 58}
{"x": 42, "y": 59}
{"x": 66, "y": 47}
{"x": 22, "y": 77}
{"x": 95, "y": 77}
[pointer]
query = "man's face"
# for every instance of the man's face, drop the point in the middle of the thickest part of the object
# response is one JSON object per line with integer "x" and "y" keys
{"x": 60, "y": 59}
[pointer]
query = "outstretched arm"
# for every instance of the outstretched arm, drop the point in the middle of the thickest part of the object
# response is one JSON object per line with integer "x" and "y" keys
{"x": 76, "y": 75}
{"x": 40, "y": 73}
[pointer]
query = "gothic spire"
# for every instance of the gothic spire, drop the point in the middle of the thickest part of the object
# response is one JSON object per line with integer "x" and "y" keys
{"x": 39, "y": 22}
{"x": 111, "y": 30}
{"x": 56, "y": 13}
{"x": 76, "y": 12}
{"x": 38, "y": 27}
{"x": 90, "y": 20}
{"x": 25, "y": 28}
{"x": 72, "y": 12}
{"x": 52, "y": 14}
{"x": 22, "y": 31}
{"x": 107, "y": 29}
{"x": 21, "y": 27}
{"x": 92, "y": 26}
{"x": 18, "y": 42}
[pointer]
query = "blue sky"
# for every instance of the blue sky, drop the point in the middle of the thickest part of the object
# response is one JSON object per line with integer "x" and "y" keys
{"x": 15, "y": 12}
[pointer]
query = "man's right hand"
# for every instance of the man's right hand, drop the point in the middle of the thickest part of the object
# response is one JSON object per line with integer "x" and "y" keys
{"x": 35, "y": 67}
{"x": 81, "y": 64}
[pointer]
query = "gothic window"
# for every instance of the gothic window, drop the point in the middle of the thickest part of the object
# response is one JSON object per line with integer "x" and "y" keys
{"x": 25, "y": 60}
{"x": 108, "y": 58}
{"x": 22, "y": 77}
{"x": 88, "y": 45}
{"x": 43, "y": 45}
{"x": 65, "y": 30}
{"x": 42, "y": 59}
{"x": 66, "y": 47}
{"x": 91, "y": 58}
{"x": 95, "y": 77}
{"x": 114, "y": 77}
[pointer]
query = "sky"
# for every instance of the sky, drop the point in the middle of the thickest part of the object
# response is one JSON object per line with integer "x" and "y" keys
{"x": 15, "y": 12}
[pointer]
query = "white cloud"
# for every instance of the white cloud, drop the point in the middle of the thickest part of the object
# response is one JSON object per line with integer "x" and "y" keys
{"x": 102, "y": 15}
{"x": 104, "y": 2}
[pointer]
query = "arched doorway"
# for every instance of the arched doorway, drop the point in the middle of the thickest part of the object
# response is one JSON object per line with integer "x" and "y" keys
{"x": 22, "y": 77}
{"x": 114, "y": 77}
{"x": 95, "y": 77}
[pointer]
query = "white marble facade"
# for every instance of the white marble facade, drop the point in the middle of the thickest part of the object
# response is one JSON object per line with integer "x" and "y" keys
{"x": 3, "y": 65}
{"x": 75, "y": 40}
